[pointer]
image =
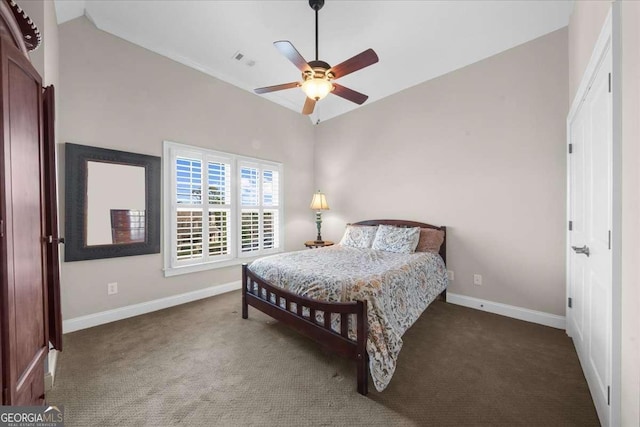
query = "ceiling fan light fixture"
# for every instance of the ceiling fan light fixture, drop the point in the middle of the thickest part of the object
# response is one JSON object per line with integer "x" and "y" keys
{"x": 318, "y": 76}
{"x": 317, "y": 88}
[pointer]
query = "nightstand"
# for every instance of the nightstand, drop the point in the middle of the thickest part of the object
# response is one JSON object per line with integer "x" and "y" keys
{"x": 313, "y": 244}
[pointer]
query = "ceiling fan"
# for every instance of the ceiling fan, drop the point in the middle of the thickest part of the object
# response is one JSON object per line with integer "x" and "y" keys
{"x": 318, "y": 76}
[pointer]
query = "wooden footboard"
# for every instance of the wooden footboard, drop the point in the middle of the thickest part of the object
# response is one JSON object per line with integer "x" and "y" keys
{"x": 301, "y": 314}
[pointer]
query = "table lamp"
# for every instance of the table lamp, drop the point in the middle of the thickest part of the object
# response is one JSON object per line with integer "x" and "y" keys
{"x": 319, "y": 204}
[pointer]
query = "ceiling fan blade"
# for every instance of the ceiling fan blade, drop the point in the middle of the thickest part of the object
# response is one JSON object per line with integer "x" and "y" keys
{"x": 268, "y": 89}
{"x": 309, "y": 105}
{"x": 286, "y": 48}
{"x": 358, "y": 62}
{"x": 349, "y": 94}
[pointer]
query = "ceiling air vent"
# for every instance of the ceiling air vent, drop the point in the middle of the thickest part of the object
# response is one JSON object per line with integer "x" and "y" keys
{"x": 239, "y": 56}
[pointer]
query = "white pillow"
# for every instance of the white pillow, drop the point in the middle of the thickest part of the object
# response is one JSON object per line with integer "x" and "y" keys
{"x": 359, "y": 236}
{"x": 396, "y": 239}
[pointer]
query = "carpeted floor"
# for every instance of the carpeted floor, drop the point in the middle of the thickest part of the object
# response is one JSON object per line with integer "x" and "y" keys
{"x": 201, "y": 364}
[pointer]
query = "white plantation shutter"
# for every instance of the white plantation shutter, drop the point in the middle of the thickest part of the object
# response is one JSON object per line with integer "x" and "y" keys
{"x": 271, "y": 187}
{"x": 222, "y": 207}
{"x": 271, "y": 202}
{"x": 218, "y": 232}
{"x": 270, "y": 227}
{"x": 189, "y": 234}
{"x": 202, "y": 200}
{"x": 219, "y": 206}
{"x": 189, "y": 208}
{"x": 250, "y": 230}
{"x": 250, "y": 184}
{"x": 259, "y": 207}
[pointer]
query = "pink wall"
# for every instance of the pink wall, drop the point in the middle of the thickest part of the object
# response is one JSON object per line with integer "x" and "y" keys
{"x": 480, "y": 150}
{"x": 630, "y": 68}
{"x": 584, "y": 28}
{"x": 117, "y": 95}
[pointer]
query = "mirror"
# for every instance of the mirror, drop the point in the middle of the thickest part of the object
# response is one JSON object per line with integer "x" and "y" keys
{"x": 111, "y": 213}
{"x": 112, "y": 203}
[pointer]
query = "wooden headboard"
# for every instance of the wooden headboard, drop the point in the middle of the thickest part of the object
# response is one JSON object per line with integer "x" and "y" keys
{"x": 403, "y": 223}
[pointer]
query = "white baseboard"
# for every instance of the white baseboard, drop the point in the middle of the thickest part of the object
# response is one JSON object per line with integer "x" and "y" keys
{"x": 48, "y": 381}
{"x": 520, "y": 313}
{"x": 50, "y": 375}
{"x": 90, "y": 320}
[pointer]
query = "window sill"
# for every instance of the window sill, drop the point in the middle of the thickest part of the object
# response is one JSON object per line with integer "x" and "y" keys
{"x": 186, "y": 269}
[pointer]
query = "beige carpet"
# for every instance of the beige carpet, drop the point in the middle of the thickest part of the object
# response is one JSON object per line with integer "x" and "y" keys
{"x": 201, "y": 364}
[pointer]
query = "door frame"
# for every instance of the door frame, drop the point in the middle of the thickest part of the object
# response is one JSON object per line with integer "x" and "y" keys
{"x": 609, "y": 39}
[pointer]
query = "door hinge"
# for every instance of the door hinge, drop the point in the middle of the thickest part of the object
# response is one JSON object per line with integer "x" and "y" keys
{"x": 609, "y": 239}
{"x": 570, "y": 303}
{"x": 570, "y": 225}
{"x": 1, "y": 227}
{"x": 570, "y": 148}
{"x": 609, "y": 395}
{"x": 609, "y": 82}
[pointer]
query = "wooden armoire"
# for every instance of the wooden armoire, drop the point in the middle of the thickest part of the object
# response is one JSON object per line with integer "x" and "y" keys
{"x": 29, "y": 294}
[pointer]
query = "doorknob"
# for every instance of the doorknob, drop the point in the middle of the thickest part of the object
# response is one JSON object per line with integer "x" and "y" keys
{"x": 51, "y": 239}
{"x": 583, "y": 250}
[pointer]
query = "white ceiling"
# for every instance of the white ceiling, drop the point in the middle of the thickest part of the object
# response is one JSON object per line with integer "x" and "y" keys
{"x": 415, "y": 40}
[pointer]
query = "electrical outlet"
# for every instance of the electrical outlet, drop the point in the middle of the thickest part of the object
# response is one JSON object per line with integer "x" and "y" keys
{"x": 477, "y": 279}
{"x": 112, "y": 288}
{"x": 450, "y": 275}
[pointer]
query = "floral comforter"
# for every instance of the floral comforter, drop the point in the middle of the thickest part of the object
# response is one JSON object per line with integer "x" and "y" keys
{"x": 397, "y": 288}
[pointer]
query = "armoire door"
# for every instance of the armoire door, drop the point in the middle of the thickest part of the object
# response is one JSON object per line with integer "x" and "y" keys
{"x": 590, "y": 261}
{"x": 51, "y": 219}
{"x": 24, "y": 317}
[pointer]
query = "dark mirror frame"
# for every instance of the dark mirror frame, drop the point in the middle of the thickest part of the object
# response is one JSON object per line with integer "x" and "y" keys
{"x": 76, "y": 158}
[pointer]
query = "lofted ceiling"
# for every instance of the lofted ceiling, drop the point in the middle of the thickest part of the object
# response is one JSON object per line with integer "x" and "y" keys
{"x": 415, "y": 40}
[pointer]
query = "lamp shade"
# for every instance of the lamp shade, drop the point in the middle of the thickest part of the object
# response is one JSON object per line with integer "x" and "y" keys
{"x": 316, "y": 88}
{"x": 319, "y": 202}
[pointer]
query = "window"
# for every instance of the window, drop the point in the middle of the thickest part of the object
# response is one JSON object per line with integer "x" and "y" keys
{"x": 220, "y": 208}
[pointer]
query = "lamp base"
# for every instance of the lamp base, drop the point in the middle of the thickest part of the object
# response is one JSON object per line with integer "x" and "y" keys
{"x": 318, "y": 224}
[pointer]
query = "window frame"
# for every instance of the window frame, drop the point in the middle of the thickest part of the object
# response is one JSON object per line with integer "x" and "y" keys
{"x": 173, "y": 266}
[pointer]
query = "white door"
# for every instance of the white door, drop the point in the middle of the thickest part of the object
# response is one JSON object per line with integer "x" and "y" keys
{"x": 590, "y": 261}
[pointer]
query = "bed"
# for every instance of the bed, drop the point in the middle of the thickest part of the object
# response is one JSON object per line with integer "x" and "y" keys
{"x": 356, "y": 302}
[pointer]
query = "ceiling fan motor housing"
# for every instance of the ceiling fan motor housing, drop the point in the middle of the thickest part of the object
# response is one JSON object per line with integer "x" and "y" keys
{"x": 316, "y": 4}
{"x": 320, "y": 71}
